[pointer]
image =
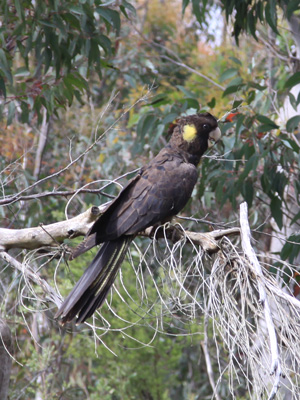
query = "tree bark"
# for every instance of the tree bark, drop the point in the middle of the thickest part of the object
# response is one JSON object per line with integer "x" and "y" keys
{"x": 6, "y": 349}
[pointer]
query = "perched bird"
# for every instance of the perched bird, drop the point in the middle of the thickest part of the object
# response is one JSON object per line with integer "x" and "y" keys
{"x": 156, "y": 194}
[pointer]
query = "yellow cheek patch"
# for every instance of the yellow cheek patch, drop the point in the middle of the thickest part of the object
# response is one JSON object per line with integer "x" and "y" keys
{"x": 189, "y": 132}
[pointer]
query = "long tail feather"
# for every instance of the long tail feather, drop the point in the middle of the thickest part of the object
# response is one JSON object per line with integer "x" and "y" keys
{"x": 92, "y": 288}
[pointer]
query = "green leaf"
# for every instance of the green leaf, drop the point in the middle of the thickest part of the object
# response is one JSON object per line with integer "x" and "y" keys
{"x": 296, "y": 218}
{"x": 25, "y": 112}
{"x": 11, "y": 112}
{"x": 46, "y": 22}
{"x": 264, "y": 128}
{"x": 71, "y": 20}
{"x": 18, "y": 9}
{"x": 239, "y": 124}
{"x": 5, "y": 66}
{"x": 229, "y": 73}
{"x": 191, "y": 103}
{"x": 236, "y": 81}
{"x": 186, "y": 92}
{"x": 169, "y": 118}
{"x": 289, "y": 143}
{"x": 123, "y": 11}
{"x": 267, "y": 121}
{"x": 197, "y": 11}
{"x": 111, "y": 16}
{"x": 293, "y": 123}
{"x": 105, "y": 43}
{"x": 145, "y": 125}
{"x": 158, "y": 100}
{"x": 77, "y": 10}
{"x": 293, "y": 80}
{"x": 76, "y": 80}
{"x": 131, "y": 80}
{"x": 47, "y": 58}
{"x": 212, "y": 102}
{"x": 248, "y": 191}
{"x": 22, "y": 71}
{"x": 292, "y": 6}
{"x": 125, "y": 5}
{"x": 129, "y": 6}
{"x": 232, "y": 89}
{"x": 291, "y": 249}
{"x": 236, "y": 60}
{"x": 293, "y": 101}
{"x": 251, "y": 165}
{"x": 257, "y": 86}
{"x": 271, "y": 15}
{"x": 236, "y": 103}
{"x": 251, "y": 96}
{"x": 185, "y": 3}
{"x": 276, "y": 211}
{"x": 2, "y": 87}
{"x": 251, "y": 22}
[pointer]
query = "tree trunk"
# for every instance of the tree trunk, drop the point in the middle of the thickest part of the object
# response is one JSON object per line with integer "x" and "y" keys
{"x": 6, "y": 349}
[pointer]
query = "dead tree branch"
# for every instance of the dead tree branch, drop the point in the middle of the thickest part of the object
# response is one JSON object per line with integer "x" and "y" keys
{"x": 49, "y": 235}
{"x": 54, "y": 234}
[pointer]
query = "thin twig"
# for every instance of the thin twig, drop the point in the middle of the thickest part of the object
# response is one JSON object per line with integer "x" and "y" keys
{"x": 28, "y": 272}
{"x": 87, "y": 150}
{"x": 205, "y": 349}
{"x": 194, "y": 71}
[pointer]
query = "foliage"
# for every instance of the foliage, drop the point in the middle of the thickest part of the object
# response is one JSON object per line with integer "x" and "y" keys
{"x": 58, "y": 45}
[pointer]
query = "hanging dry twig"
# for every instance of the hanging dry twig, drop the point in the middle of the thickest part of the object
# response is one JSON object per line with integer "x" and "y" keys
{"x": 263, "y": 298}
{"x": 50, "y": 293}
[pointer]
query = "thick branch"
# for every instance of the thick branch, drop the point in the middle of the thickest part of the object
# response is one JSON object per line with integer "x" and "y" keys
{"x": 49, "y": 235}
{"x": 54, "y": 234}
{"x": 208, "y": 240}
{"x": 249, "y": 252}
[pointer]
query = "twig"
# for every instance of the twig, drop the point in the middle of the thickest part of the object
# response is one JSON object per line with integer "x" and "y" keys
{"x": 66, "y": 193}
{"x": 249, "y": 252}
{"x": 194, "y": 71}
{"x": 43, "y": 135}
{"x": 204, "y": 346}
{"x": 27, "y": 271}
{"x": 59, "y": 193}
{"x": 87, "y": 150}
{"x": 179, "y": 61}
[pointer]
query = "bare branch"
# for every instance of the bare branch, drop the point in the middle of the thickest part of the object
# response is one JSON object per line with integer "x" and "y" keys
{"x": 59, "y": 193}
{"x": 49, "y": 235}
{"x": 194, "y": 71}
{"x": 54, "y": 234}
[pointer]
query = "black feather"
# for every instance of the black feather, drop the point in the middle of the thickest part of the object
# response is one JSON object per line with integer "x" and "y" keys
{"x": 92, "y": 288}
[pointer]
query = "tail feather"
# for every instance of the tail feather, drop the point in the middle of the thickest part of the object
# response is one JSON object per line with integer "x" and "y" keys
{"x": 92, "y": 288}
